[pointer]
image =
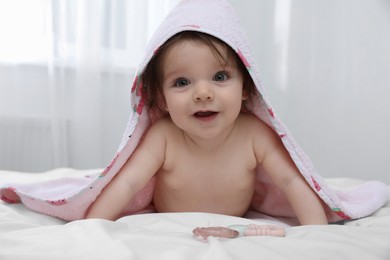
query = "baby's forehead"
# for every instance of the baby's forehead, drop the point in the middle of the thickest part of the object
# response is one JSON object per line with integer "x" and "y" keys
{"x": 223, "y": 54}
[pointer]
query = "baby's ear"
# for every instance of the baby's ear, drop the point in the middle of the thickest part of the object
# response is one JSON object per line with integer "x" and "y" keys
{"x": 245, "y": 95}
{"x": 162, "y": 104}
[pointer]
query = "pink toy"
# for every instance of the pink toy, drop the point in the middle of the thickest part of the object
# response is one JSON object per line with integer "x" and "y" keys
{"x": 233, "y": 231}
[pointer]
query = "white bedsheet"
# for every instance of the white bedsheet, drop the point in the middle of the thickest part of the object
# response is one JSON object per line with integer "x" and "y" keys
{"x": 28, "y": 235}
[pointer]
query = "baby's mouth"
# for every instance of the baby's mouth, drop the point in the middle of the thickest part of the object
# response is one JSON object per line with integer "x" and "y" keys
{"x": 205, "y": 114}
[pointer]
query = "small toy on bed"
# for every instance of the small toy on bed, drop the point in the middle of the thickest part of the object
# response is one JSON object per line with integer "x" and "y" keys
{"x": 233, "y": 231}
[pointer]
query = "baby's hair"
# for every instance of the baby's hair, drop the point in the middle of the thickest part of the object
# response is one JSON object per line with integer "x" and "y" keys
{"x": 153, "y": 75}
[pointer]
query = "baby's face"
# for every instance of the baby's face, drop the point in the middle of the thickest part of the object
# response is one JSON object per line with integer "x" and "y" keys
{"x": 202, "y": 95}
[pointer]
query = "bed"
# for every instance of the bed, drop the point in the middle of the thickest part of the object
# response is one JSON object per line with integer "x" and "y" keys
{"x": 25, "y": 234}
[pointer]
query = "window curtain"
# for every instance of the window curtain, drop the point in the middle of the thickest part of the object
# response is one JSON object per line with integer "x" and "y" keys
{"x": 68, "y": 65}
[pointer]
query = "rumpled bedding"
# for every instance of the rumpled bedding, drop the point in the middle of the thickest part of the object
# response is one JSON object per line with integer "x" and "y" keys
{"x": 25, "y": 234}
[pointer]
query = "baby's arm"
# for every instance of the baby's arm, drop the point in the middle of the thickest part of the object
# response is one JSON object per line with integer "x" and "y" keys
{"x": 133, "y": 176}
{"x": 278, "y": 164}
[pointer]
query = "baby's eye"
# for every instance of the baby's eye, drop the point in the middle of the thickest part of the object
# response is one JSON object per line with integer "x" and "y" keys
{"x": 220, "y": 76}
{"x": 181, "y": 82}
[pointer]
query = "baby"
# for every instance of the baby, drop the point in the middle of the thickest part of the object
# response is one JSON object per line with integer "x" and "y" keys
{"x": 205, "y": 149}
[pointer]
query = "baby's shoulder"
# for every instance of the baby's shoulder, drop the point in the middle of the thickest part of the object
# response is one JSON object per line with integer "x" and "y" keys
{"x": 254, "y": 128}
{"x": 264, "y": 136}
{"x": 159, "y": 131}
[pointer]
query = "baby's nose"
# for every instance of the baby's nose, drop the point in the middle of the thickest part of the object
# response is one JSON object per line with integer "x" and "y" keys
{"x": 203, "y": 92}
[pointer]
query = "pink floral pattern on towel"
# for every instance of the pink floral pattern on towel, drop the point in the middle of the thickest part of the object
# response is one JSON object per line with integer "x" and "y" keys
{"x": 243, "y": 59}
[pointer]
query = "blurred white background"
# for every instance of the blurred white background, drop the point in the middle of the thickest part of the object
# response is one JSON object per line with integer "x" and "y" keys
{"x": 326, "y": 68}
{"x": 66, "y": 68}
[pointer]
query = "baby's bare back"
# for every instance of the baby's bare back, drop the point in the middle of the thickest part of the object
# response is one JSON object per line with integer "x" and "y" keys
{"x": 217, "y": 180}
